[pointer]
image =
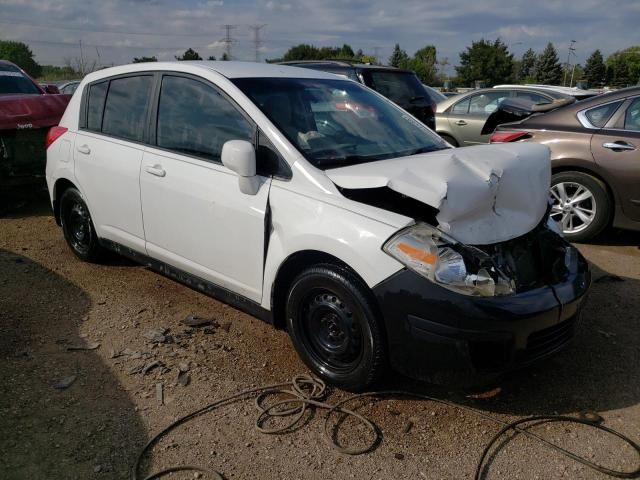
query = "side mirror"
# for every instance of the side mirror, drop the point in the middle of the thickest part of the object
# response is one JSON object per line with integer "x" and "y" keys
{"x": 239, "y": 156}
{"x": 51, "y": 89}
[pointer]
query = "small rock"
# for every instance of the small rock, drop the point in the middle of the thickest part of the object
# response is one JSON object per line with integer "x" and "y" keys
{"x": 183, "y": 379}
{"x": 226, "y": 326}
{"x": 150, "y": 366}
{"x": 97, "y": 468}
{"x": 65, "y": 382}
{"x": 399, "y": 456}
{"x": 183, "y": 366}
{"x": 156, "y": 335}
{"x": 160, "y": 393}
{"x": 194, "y": 322}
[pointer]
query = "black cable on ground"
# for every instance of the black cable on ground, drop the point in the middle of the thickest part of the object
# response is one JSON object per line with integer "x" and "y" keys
{"x": 304, "y": 392}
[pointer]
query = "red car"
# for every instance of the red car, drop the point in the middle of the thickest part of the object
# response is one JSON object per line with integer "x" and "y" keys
{"x": 27, "y": 111}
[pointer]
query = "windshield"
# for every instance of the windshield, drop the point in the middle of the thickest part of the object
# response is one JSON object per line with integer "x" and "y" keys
{"x": 13, "y": 81}
{"x": 335, "y": 123}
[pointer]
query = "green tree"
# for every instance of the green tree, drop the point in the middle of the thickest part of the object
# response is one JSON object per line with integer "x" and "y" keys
{"x": 527, "y": 72}
{"x": 225, "y": 57}
{"x": 211, "y": 57}
{"x": 189, "y": 54}
{"x": 398, "y": 56}
{"x": 631, "y": 58}
{"x": 20, "y": 54}
{"x": 144, "y": 59}
{"x": 548, "y": 68}
{"x": 595, "y": 71}
{"x": 423, "y": 63}
{"x": 485, "y": 61}
{"x": 618, "y": 73}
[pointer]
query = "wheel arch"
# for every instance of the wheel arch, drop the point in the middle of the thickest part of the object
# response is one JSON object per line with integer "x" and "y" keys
{"x": 588, "y": 171}
{"x": 61, "y": 185}
{"x": 290, "y": 268}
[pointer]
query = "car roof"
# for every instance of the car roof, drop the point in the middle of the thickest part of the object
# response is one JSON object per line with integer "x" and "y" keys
{"x": 231, "y": 69}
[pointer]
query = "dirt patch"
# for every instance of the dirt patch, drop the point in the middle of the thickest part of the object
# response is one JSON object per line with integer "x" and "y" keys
{"x": 94, "y": 427}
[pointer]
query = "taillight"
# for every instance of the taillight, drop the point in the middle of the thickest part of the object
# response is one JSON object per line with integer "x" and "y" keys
{"x": 53, "y": 134}
{"x": 506, "y": 137}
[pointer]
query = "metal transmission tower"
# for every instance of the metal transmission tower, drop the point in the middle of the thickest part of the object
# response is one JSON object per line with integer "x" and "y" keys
{"x": 572, "y": 51}
{"x": 257, "y": 41}
{"x": 228, "y": 39}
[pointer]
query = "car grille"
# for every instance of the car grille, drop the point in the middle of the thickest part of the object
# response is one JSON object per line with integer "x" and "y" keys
{"x": 546, "y": 341}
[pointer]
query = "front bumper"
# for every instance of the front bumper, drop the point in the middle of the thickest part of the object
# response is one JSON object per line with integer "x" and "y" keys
{"x": 441, "y": 336}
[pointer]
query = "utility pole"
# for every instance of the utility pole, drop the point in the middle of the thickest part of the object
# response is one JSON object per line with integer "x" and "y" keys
{"x": 376, "y": 54}
{"x": 82, "y": 72}
{"x": 228, "y": 39}
{"x": 257, "y": 41}
{"x": 566, "y": 70}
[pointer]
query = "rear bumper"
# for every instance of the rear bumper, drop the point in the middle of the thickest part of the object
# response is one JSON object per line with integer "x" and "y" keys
{"x": 440, "y": 336}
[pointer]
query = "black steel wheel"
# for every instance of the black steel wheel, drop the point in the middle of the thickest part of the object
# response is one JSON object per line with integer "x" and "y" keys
{"x": 334, "y": 327}
{"x": 77, "y": 226}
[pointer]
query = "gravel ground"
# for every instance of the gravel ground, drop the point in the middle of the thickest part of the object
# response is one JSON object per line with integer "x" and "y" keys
{"x": 82, "y": 414}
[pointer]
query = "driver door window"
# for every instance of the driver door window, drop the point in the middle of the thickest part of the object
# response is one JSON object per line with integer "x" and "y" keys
{"x": 195, "y": 119}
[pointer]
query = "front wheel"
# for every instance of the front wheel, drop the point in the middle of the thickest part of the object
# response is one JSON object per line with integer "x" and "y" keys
{"x": 77, "y": 226}
{"x": 334, "y": 327}
{"x": 581, "y": 205}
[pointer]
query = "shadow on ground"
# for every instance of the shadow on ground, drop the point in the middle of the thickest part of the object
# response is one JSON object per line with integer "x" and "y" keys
{"x": 89, "y": 429}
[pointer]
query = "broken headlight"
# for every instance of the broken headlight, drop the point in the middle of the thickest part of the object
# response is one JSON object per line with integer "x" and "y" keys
{"x": 445, "y": 261}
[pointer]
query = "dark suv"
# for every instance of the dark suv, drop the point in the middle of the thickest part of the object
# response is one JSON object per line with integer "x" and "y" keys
{"x": 400, "y": 86}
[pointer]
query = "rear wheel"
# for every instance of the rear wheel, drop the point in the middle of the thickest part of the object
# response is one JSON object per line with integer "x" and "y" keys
{"x": 77, "y": 226}
{"x": 581, "y": 205}
{"x": 449, "y": 139}
{"x": 334, "y": 328}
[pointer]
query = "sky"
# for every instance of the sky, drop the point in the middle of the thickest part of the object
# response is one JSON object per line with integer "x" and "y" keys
{"x": 116, "y": 31}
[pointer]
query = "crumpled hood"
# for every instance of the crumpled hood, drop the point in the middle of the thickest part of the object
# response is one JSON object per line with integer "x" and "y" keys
{"x": 484, "y": 194}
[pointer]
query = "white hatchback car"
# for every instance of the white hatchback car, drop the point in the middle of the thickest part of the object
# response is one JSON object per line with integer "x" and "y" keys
{"x": 316, "y": 204}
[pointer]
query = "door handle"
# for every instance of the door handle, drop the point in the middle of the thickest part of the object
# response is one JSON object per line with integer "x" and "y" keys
{"x": 84, "y": 149}
{"x": 461, "y": 122}
{"x": 156, "y": 170}
{"x": 619, "y": 146}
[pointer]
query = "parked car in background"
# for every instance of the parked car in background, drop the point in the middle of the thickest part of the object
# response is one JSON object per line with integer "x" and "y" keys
{"x": 68, "y": 87}
{"x": 27, "y": 110}
{"x": 595, "y": 160}
{"x": 400, "y": 86}
{"x": 577, "y": 93}
{"x": 320, "y": 206}
{"x": 50, "y": 88}
{"x": 459, "y": 119}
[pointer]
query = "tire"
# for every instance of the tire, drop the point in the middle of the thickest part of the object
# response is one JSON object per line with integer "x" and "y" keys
{"x": 78, "y": 228}
{"x": 584, "y": 219}
{"x": 333, "y": 325}
{"x": 449, "y": 139}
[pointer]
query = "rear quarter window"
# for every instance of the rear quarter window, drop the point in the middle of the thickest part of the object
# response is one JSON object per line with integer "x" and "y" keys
{"x": 599, "y": 116}
{"x": 95, "y": 105}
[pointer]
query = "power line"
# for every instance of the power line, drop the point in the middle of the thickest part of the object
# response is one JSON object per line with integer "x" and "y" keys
{"x": 257, "y": 41}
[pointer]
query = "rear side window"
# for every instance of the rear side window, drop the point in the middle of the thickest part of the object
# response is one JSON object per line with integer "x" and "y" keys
{"x": 195, "y": 119}
{"x": 95, "y": 105}
{"x": 126, "y": 107}
{"x": 461, "y": 108}
{"x": 632, "y": 116}
{"x": 486, "y": 103}
{"x": 599, "y": 116}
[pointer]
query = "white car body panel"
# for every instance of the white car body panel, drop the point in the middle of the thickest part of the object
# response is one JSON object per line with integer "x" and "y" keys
{"x": 196, "y": 219}
{"x": 484, "y": 194}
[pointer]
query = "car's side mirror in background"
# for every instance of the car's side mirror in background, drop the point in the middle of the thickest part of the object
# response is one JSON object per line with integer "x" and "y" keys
{"x": 51, "y": 89}
{"x": 239, "y": 156}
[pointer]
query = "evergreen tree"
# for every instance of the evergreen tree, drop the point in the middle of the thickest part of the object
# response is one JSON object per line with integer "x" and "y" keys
{"x": 398, "y": 56}
{"x": 189, "y": 54}
{"x": 144, "y": 59}
{"x": 528, "y": 66}
{"x": 211, "y": 57}
{"x": 548, "y": 68}
{"x": 618, "y": 73}
{"x": 487, "y": 62}
{"x": 595, "y": 71}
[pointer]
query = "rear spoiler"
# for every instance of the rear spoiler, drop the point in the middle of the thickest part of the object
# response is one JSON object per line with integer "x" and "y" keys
{"x": 514, "y": 109}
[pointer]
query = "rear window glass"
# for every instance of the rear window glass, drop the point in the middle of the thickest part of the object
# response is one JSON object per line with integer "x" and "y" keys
{"x": 400, "y": 87}
{"x": 13, "y": 81}
{"x": 126, "y": 107}
{"x": 599, "y": 116}
{"x": 95, "y": 105}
